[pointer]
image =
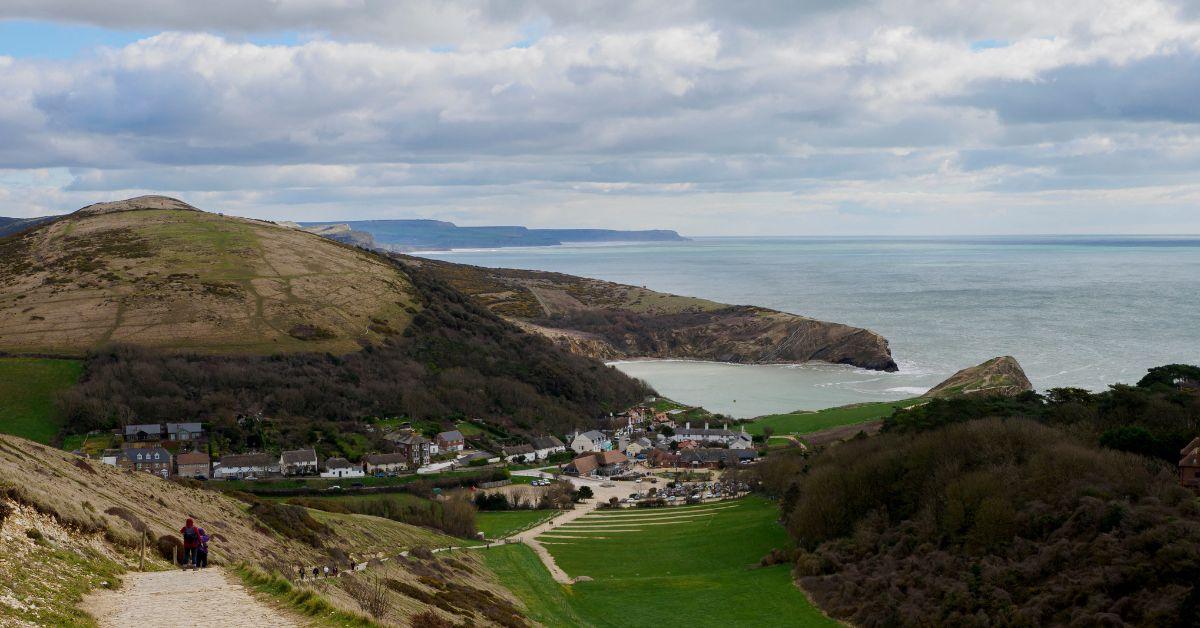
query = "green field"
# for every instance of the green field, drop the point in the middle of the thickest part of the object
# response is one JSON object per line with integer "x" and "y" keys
{"x": 807, "y": 422}
{"x": 28, "y": 387}
{"x": 683, "y": 566}
{"x": 499, "y": 524}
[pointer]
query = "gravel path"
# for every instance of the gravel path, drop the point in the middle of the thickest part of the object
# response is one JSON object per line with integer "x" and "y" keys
{"x": 176, "y": 598}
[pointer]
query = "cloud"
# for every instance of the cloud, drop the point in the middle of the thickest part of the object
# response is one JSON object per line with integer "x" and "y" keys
{"x": 657, "y": 114}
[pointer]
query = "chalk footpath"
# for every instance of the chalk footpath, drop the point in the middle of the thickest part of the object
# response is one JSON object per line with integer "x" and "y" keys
{"x": 209, "y": 597}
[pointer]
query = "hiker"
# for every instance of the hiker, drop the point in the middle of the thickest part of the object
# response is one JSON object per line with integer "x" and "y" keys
{"x": 191, "y": 543}
{"x": 326, "y": 571}
{"x": 335, "y": 571}
{"x": 300, "y": 570}
{"x": 316, "y": 572}
{"x": 202, "y": 551}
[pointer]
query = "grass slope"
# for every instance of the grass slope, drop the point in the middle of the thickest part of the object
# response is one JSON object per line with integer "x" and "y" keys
{"x": 27, "y": 390}
{"x": 497, "y": 525}
{"x": 694, "y": 566}
{"x": 546, "y": 601}
{"x": 805, "y": 422}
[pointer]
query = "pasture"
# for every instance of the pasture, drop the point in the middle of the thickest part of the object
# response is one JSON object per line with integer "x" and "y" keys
{"x": 805, "y": 422}
{"x": 681, "y": 566}
{"x": 28, "y": 387}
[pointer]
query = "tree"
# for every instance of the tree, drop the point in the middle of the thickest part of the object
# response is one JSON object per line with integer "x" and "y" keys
{"x": 371, "y": 594}
{"x": 584, "y": 492}
{"x": 768, "y": 432}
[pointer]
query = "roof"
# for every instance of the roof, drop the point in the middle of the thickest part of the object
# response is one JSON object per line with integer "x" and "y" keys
{"x": 702, "y": 432}
{"x": 594, "y": 435}
{"x": 547, "y": 442}
{"x": 129, "y": 452}
{"x": 585, "y": 464}
{"x": 717, "y": 455}
{"x": 610, "y": 457}
{"x": 172, "y": 428}
{"x": 1190, "y": 446}
{"x": 338, "y": 463}
{"x": 385, "y": 458}
{"x": 411, "y": 439}
{"x": 477, "y": 455}
{"x": 192, "y": 457}
{"x": 248, "y": 460}
{"x": 299, "y": 456}
{"x": 523, "y": 448}
{"x": 149, "y": 428}
{"x": 450, "y": 436}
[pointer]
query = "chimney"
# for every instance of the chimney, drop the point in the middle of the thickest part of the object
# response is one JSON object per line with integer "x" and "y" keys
{"x": 706, "y": 425}
{"x": 725, "y": 426}
{"x": 687, "y": 426}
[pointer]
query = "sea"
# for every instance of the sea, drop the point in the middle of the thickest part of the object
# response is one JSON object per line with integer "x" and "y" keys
{"x": 1084, "y": 311}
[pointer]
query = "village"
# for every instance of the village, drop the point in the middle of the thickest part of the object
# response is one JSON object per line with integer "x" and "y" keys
{"x": 641, "y": 439}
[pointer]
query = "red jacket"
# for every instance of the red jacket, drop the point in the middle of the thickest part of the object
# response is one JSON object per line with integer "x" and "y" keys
{"x": 193, "y": 544}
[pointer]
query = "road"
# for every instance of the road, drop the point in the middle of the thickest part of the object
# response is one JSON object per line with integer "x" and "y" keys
{"x": 177, "y": 598}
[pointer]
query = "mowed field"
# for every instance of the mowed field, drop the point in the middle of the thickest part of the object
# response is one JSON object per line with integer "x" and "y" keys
{"x": 28, "y": 387}
{"x": 807, "y": 422}
{"x": 499, "y": 524}
{"x": 682, "y": 566}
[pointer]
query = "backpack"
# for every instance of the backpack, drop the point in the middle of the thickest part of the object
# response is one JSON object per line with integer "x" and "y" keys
{"x": 189, "y": 536}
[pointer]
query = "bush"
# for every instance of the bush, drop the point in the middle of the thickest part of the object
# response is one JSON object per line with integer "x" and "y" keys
{"x": 430, "y": 619}
{"x": 291, "y": 521}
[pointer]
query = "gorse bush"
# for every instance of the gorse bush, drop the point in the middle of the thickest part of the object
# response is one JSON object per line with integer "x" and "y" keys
{"x": 989, "y": 522}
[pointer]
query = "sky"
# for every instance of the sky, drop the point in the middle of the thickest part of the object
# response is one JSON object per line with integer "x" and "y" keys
{"x": 711, "y": 117}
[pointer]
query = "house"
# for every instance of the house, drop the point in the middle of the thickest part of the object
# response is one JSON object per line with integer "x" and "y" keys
{"x": 414, "y": 447}
{"x": 687, "y": 444}
{"x": 155, "y": 460}
{"x": 143, "y": 432}
{"x": 299, "y": 462}
{"x": 547, "y": 446}
{"x": 518, "y": 453}
{"x": 450, "y": 441}
{"x": 376, "y": 464}
{"x": 110, "y": 456}
{"x": 341, "y": 468}
{"x": 638, "y": 446}
{"x": 741, "y": 440}
{"x": 662, "y": 458}
{"x": 605, "y": 463}
{"x": 705, "y": 436}
{"x": 193, "y": 464}
{"x": 592, "y": 440}
{"x": 185, "y": 431}
{"x": 1189, "y": 465}
{"x": 715, "y": 458}
{"x": 238, "y": 466}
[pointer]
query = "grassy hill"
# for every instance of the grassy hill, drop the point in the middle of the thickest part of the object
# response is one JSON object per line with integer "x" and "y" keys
{"x": 68, "y": 525}
{"x": 808, "y": 421}
{"x": 28, "y": 387}
{"x": 682, "y": 566}
{"x": 157, "y": 272}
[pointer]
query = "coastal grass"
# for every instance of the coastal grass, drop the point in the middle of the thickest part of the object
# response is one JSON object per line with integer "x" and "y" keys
{"x": 699, "y": 571}
{"x": 302, "y": 600}
{"x": 805, "y": 422}
{"x": 546, "y": 601}
{"x": 499, "y": 524}
{"x": 28, "y": 387}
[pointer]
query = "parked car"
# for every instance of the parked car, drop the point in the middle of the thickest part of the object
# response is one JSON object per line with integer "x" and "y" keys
{"x": 335, "y": 487}
{"x": 608, "y": 485}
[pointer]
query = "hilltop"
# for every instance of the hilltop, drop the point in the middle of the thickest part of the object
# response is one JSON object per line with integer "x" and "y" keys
{"x": 610, "y": 320}
{"x": 158, "y": 272}
{"x": 998, "y": 376}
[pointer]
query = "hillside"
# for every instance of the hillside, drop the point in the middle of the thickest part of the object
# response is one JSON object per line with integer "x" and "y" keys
{"x": 998, "y": 376}
{"x": 9, "y": 226}
{"x": 418, "y": 235}
{"x": 181, "y": 312}
{"x": 158, "y": 272}
{"x": 68, "y": 525}
{"x": 609, "y": 320}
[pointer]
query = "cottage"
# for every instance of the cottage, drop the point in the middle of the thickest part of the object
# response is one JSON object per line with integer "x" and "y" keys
{"x": 604, "y": 463}
{"x": 638, "y": 447}
{"x": 384, "y": 464}
{"x": 193, "y": 464}
{"x": 185, "y": 431}
{"x": 414, "y": 447}
{"x": 662, "y": 458}
{"x": 687, "y": 444}
{"x": 518, "y": 453}
{"x": 299, "y": 462}
{"x": 450, "y": 441}
{"x": 239, "y": 466}
{"x": 341, "y": 468}
{"x": 143, "y": 432}
{"x": 713, "y": 458}
{"x": 705, "y": 436}
{"x": 592, "y": 440}
{"x": 547, "y": 446}
{"x": 1189, "y": 465}
{"x": 155, "y": 460}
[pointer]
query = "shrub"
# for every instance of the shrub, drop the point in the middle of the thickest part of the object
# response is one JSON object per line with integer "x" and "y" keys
{"x": 291, "y": 521}
{"x": 430, "y": 619}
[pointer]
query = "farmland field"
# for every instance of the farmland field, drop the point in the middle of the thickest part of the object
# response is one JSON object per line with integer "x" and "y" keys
{"x": 683, "y": 566}
{"x": 806, "y": 422}
{"x": 27, "y": 390}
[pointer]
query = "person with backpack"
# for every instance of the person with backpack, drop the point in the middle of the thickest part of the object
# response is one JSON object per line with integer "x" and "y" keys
{"x": 191, "y": 544}
{"x": 202, "y": 550}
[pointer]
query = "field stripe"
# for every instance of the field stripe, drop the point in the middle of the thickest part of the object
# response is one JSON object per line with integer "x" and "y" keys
{"x": 670, "y": 510}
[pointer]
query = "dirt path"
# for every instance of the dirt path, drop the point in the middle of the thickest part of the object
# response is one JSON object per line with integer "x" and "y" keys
{"x": 210, "y": 597}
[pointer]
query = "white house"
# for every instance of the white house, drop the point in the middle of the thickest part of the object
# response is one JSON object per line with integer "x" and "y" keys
{"x": 341, "y": 468}
{"x": 547, "y": 446}
{"x": 236, "y": 466}
{"x": 589, "y": 441}
{"x": 299, "y": 462}
{"x": 518, "y": 453}
{"x": 385, "y": 463}
{"x": 706, "y": 436}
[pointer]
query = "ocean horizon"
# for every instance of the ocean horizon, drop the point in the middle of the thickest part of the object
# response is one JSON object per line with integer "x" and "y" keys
{"x": 1076, "y": 310}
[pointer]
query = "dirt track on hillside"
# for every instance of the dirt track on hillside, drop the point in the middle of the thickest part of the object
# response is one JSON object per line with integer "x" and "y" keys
{"x": 210, "y": 597}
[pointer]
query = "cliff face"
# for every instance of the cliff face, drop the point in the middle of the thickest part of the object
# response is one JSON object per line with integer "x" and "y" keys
{"x": 610, "y": 321}
{"x": 998, "y": 376}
